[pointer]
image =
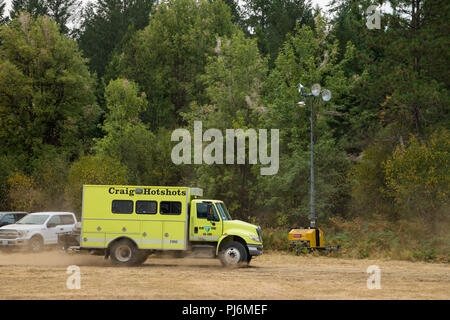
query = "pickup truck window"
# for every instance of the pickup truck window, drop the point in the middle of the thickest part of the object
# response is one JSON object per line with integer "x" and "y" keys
{"x": 8, "y": 218}
{"x": 56, "y": 220}
{"x": 122, "y": 206}
{"x": 146, "y": 207}
{"x": 67, "y": 219}
{"x": 33, "y": 219}
{"x": 170, "y": 207}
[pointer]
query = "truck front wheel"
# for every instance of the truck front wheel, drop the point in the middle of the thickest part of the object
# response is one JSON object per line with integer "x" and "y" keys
{"x": 233, "y": 254}
{"x": 125, "y": 253}
{"x": 36, "y": 243}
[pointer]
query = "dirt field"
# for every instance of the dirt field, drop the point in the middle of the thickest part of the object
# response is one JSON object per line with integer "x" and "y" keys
{"x": 272, "y": 276}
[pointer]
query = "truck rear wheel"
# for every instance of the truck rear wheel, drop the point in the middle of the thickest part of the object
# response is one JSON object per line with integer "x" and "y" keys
{"x": 125, "y": 253}
{"x": 233, "y": 254}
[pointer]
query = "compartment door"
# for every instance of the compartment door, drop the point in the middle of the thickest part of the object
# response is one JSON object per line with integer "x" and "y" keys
{"x": 174, "y": 235}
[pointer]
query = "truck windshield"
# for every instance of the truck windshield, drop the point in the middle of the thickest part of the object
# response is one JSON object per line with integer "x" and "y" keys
{"x": 223, "y": 211}
{"x": 33, "y": 219}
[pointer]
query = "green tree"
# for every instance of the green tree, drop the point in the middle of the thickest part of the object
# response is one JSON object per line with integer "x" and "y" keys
{"x": 3, "y": 18}
{"x": 104, "y": 24}
{"x": 34, "y": 7}
{"x": 128, "y": 140}
{"x": 233, "y": 80}
{"x": 42, "y": 76}
{"x": 92, "y": 170}
{"x": 271, "y": 20}
{"x": 167, "y": 57}
{"x": 418, "y": 177}
{"x": 307, "y": 57}
{"x": 405, "y": 90}
{"x": 62, "y": 12}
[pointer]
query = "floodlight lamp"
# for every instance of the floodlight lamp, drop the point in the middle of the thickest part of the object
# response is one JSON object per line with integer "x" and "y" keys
{"x": 315, "y": 89}
{"x": 326, "y": 95}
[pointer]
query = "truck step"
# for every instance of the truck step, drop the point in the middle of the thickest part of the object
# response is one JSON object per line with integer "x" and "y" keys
{"x": 203, "y": 246}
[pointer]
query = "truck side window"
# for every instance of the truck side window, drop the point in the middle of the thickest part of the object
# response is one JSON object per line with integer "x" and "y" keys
{"x": 56, "y": 220}
{"x": 122, "y": 206}
{"x": 146, "y": 207}
{"x": 202, "y": 210}
{"x": 9, "y": 218}
{"x": 67, "y": 219}
{"x": 170, "y": 207}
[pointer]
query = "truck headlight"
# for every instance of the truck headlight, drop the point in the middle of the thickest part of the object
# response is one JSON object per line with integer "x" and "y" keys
{"x": 254, "y": 237}
{"x": 22, "y": 234}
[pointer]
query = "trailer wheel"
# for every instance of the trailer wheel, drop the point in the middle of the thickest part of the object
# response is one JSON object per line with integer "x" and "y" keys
{"x": 233, "y": 254}
{"x": 36, "y": 243}
{"x": 125, "y": 253}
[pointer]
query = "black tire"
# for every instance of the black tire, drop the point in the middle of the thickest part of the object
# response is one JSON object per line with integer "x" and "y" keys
{"x": 125, "y": 253}
{"x": 249, "y": 259}
{"x": 142, "y": 257}
{"x": 36, "y": 244}
{"x": 233, "y": 254}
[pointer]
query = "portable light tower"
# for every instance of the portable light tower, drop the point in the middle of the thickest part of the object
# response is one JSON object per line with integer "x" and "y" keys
{"x": 311, "y": 238}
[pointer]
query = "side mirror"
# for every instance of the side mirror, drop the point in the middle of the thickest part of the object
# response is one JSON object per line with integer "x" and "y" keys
{"x": 209, "y": 213}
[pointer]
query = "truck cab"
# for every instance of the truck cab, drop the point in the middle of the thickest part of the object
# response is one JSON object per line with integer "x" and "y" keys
{"x": 211, "y": 224}
{"x": 128, "y": 223}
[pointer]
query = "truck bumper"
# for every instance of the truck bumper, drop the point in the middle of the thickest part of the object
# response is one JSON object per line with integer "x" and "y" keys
{"x": 13, "y": 243}
{"x": 255, "y": 249}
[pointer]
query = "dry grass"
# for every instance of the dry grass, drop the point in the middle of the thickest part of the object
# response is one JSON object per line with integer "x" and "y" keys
{"x": 271, "y": 276}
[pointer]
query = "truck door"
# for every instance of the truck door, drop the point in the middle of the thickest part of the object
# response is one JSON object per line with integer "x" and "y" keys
{"x": 174, "y": 225}
{"x": 201, "y": 229}
{"x": 53, "y": 227}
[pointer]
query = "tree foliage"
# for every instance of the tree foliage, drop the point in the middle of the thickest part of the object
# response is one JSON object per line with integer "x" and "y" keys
{"x": 233, "y": 79}
{"x": 92, "y": 170}
{"x": 381, "y": 142}
{"x": 169, "y": 55}
{"x": 41, "y": 76}
{"x": 104, "y": 26}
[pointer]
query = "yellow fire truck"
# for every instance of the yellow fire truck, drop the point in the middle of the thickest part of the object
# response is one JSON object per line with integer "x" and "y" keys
{"x": 127, "y": 223}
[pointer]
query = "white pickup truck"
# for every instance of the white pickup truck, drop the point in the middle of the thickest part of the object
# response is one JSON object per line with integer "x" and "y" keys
{"x": 37, "y": 230}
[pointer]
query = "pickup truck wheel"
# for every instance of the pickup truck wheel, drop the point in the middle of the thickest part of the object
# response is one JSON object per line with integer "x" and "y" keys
{"x": 36, "y": 244}
{"x": 233, "y": 254}
{"x": 125, "y": 253}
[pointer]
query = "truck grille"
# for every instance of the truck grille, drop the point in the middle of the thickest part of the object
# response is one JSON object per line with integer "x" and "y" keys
{"x": 8, "y": 234}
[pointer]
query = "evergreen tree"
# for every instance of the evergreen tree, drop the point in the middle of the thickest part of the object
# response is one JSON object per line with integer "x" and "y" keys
{"x": 233, "y": 79}
{"x": 168, "y": 56}
{"x": 271, "y": 20}
{"x": 34, "y": 7}
{"x": 3, "y": 18}
{"x": 104, "y": 24}
{"x": 62, "y": 11}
